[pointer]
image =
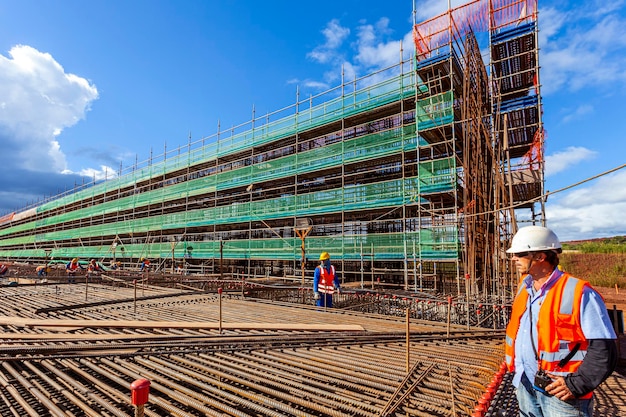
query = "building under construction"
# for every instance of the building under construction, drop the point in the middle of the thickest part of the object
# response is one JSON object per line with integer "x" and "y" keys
{"x": 412, "y": 176}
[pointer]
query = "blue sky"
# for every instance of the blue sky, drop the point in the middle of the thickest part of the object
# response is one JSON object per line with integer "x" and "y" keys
{"x": 89, "y": 86}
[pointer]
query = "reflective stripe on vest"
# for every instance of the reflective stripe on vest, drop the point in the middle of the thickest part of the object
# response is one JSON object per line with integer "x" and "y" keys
{"x": 567, "y": 302}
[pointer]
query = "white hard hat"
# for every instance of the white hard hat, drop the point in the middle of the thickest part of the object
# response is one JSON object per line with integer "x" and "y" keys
{"x": 534, "y": 239}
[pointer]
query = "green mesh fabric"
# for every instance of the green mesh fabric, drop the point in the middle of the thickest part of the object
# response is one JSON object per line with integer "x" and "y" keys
{"x": 432, "y": 177}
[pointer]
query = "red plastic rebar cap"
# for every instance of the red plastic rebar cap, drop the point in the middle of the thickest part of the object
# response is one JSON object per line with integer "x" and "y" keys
{"x": 139, "y": 389}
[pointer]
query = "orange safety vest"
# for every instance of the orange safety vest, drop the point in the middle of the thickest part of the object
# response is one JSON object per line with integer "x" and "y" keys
{"x": 558, "y": 326}
{"x": 325, "y": 284}
{"x": 71, "y": 266}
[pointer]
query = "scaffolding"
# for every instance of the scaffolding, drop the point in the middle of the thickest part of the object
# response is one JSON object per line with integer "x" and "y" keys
{"x": 414, "y": 180}
{"x": 494, "y": 130}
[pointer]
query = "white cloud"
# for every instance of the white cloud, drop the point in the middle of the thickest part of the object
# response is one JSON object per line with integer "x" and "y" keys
{"x": 372, "y": 51}
{"x": 602, "y": 7}
{"x": 551, "y": 22}
{"x": 316, "y": 85}
{"x": 334, "y": 34}
{"x": 568, "y": 158}
{"x": 578, "y": 113}
{"x": 39, "y": 100}
{"x": 589, "y": 52}
{"x": 104, "y": 173}
{"x": 594, "y": 210}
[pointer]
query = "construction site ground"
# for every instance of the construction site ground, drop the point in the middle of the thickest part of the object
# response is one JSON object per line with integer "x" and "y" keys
{"x": 610, "y": 396}
{"x": 263, "y": 356}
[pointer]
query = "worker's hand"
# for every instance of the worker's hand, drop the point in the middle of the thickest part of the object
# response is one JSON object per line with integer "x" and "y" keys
{"x": 316, "y": 295}
{"x": 559, "y": 389}
{"x": 339, "y": 290}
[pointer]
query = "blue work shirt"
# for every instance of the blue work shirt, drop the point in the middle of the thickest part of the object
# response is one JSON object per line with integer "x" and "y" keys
{"x": 594, "y": 321}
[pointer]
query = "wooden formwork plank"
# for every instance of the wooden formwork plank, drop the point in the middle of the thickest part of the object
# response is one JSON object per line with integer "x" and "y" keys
{"x": 147, "y": 324}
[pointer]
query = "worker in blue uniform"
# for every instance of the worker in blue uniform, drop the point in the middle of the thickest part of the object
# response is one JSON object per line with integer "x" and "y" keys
{"x": 71, "y": 268}
{"x": 325, "y": 281}
{"x": 145, "y": 265}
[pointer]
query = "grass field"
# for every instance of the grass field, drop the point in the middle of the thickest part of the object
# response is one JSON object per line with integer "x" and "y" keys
{"x": 602, "y": 262}
{"x": 600, "y": 269}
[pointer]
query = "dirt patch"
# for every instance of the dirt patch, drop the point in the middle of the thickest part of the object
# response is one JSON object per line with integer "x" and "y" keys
{"x": 613, "y": 297}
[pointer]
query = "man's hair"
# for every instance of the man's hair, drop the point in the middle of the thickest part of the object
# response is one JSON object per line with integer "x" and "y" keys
{"x": 552, "y": 258}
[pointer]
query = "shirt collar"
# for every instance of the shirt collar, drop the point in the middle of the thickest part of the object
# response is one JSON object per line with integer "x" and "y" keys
{"x": 528, "y": 281}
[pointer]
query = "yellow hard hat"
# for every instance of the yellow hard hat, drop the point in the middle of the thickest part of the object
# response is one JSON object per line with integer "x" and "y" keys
{"x": 142, "y": 259}
{"x": 75, "y": 260}
{"x": 324, "y": 256}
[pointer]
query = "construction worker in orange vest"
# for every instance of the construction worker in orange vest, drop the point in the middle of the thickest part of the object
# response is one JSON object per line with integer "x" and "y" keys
{"x": 145, "y": 265}
{"x": 559, "y": 341}
{"x": 325, "y": 281}
{"x": 71, "y": 268}
{"x": 94, "y": 266}
{"x": 42, "y": 270}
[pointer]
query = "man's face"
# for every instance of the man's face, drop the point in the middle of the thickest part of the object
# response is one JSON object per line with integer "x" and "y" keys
{"x": 523, "y": 261}
{"x": 326, "y": 263}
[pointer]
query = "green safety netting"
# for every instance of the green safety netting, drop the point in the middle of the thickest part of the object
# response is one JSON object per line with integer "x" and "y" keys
{"x": 433, "y": 176}
{"x": 428, "y": 244}
{"x": 350, "y": 103}
{"x": 436, "y": 110}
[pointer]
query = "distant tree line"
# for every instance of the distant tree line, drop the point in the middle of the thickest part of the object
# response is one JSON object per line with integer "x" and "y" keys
{"x": 615, "y": 244}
